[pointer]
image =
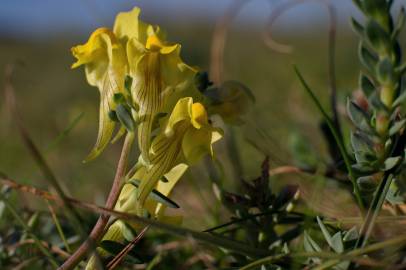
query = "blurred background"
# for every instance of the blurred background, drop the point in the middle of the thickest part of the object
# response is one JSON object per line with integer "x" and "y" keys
{"x": 61, "y": 111}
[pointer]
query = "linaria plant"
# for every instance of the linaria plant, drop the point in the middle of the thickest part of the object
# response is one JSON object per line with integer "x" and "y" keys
{"x": 171, "y": 115}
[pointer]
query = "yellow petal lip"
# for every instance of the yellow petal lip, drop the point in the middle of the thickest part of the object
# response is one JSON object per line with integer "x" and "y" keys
{"x": 199, "y": 115}
{"x": 154, "y": 43}
{"x": 87, "y": 52}
{"x": 127, "y": 24}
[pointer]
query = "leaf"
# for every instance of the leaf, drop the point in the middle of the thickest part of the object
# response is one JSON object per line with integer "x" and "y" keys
{"x": 396, "y": 127}
{"x": 361, "y": 143}
{"x": 358, "y": 116}
{"x": 385, "y": 71}
{"x": 367, "y": 184}
{"x": 391, "y": 162}
{"x": 113, "y": 116}
{"x": 337, "y": 243}
{"x": 128, "y": 232}
{"x": 377, "y": 36}
{"x": 399, "y": 23}
{"x": 368, "y": 59}
{"x": 124, "y": 116}
{"x": 127, "y": 84}
{"x": 400, "y": 99}
{"x": 351, "y": 234}
{"x": 119, "y": 98}
{"x": 363, "y": 168}
{"x": 342, "y": 265}
{"x": 111, "y": 247}
{"x": 309, "y": 244}
{"x": 358, "y": 28}
{"x": 115, "y": 248}
{"x": 325, "y": 232}
{"x": 156, "y": 195}
{"x": 366, "y": 85}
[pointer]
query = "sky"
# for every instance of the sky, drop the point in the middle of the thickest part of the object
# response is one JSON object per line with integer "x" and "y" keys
{"x": 38, "y": 19}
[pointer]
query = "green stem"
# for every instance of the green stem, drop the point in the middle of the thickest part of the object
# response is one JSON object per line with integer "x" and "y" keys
{"x": 337, "y": 138}
{"x": 374, "y": 209}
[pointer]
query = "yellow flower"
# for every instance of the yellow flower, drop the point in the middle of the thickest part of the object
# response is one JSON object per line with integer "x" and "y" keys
{"x": 187, "y": 136}
{"x": 105, "y": 66}
{"x": 159, "y": 74}
{"x": 160, "y": 77}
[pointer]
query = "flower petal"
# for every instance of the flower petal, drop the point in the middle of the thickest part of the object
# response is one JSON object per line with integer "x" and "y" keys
{"x": 105, "y": 66}
{"x": 195, "y": 144}
{"x": 128, "y": 26}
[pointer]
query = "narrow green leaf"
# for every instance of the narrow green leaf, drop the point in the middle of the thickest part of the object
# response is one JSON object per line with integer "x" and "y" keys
{"x": 336, "y": 136}
{"x": 391, "y": 162}
{"x": 367, "y": 184}
{"x": 309, "y": 244}
{"x": 366, "y": 85}
{"x": 124, "y": 115}
{"x": 375, "y": 208}
{"x": 113, "y": 116}
{"x": 396, "y": 127}
{"x": 128, "y": 232}
{"x": 127, "y": 83}
{"x": 358, "y": 116}
{"x": 337, "y": 243}
{"x": 115, "y": 248}
{"x": 363, "y": 168}
{"x": 401, "y": 98}
{"x": 368, "y": 59}
{"x": 399, "y": 23}
{"x": 363, "y": 148}
{"x": 325, "y": 232}
{"x": 385, "y": 71}
{"x": 156, "y": 195}
{"x": 377, "y": 36}
{"x": 358, "y": 28}
{"x": 119, "y": 98}
{"x": 350, "y": 235}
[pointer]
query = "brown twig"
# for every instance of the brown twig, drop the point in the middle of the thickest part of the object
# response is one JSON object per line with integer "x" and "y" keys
{"x": 98, "y": 229}
{"x": 121, "y": 255}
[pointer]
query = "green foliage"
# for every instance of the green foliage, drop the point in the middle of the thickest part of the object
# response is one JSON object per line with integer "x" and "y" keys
{"x": 262, "y": 223}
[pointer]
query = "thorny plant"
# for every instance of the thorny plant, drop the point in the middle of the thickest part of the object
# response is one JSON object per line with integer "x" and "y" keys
{"x": 148, "y": 94}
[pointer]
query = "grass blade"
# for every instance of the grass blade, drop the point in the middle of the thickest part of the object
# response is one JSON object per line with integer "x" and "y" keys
{"x": 337, "y": 138}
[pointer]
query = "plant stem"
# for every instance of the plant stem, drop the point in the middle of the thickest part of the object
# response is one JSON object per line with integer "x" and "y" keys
{"x": 98, "y": 229}
{"x": 336, "y": 137}
{"x": 373, "y": 211}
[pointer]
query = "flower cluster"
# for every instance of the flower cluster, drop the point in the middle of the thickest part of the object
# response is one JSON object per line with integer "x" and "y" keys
{"x": 145, "y": 87}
